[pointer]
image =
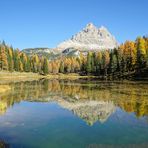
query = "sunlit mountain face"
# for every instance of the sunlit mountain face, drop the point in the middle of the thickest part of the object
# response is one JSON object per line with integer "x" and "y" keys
{"x": 90, "y": 38}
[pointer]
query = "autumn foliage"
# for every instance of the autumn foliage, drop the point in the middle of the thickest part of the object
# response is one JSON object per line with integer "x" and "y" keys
{"x": 128, "y": 59}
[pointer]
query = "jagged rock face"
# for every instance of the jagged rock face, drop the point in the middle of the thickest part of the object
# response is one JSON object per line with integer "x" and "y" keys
{"x": 90, "y": 38}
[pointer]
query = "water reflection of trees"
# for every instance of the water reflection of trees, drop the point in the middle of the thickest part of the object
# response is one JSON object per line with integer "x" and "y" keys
{"x": 131, "y": 97}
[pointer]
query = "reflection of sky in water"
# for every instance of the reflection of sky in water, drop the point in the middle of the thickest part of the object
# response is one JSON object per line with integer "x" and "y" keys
{"x": 71, "y": 116}
{"x": 37, "y": 124}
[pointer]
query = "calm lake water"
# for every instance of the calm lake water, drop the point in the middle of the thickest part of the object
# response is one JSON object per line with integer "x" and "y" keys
{"x": 75, "y": 114}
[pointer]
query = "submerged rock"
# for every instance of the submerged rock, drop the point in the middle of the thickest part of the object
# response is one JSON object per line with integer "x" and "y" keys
{"x": 3, "y": 144}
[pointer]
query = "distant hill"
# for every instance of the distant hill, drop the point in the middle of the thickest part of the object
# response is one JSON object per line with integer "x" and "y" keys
{"x": 51, "y": 53}
{"x": 37, "y": 50}
{"x": 47, "y": 52}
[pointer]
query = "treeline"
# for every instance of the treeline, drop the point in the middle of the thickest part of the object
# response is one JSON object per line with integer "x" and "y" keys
{"x": 15, "y": 60}
{"x": 129, "y": 58}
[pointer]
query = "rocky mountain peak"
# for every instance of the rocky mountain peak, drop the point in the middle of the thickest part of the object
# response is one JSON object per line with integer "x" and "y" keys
{"x": 90, "y": 38}
{"x": 90, "y": 27}
{"x": 103, "y": 28}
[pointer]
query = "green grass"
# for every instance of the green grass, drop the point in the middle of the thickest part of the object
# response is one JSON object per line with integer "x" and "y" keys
{"x": 68, "y": 76}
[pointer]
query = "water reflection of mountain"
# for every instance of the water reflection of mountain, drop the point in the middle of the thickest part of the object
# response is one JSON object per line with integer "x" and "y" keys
{"x": 90, "y": 101}
{"x": 93, "y": 111}
{"x": 90, "y": 111}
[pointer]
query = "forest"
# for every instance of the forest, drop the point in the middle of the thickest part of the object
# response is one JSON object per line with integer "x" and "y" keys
{"x": 129, "y": 59}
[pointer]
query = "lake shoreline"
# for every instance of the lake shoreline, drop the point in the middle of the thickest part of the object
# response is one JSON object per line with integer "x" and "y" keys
{"x": 29, "y": 76}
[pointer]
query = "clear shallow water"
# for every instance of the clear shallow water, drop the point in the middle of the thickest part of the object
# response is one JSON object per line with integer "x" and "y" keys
{"x": 74, "y": 114}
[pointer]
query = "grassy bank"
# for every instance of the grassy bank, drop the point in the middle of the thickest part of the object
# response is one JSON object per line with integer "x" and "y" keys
{"x": 29, "y": 76}
{"x": 18, "y": 76}
{"x": 23, "y": 76}
{"x": 8, "y": 75}
{"x": 4, "y": 88}
{"x": 71, "y": 76}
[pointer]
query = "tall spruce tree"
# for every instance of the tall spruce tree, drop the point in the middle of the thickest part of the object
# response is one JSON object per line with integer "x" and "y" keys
{"x": 45, "y": 66}
{"x": 89, "y": 63}
{"x": 61, "y": 67}
{"x": 16, "y": 60}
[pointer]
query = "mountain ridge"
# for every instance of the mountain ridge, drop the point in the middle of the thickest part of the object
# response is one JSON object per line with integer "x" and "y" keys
{"x": 88, "y": 39}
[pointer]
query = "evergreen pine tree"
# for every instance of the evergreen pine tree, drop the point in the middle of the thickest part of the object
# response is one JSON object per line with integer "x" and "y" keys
{"x": 61, "y": 67}
{"x": 89, "y": 63}
{"x": 45, "y": 66}
{"x": 16, "y": 60}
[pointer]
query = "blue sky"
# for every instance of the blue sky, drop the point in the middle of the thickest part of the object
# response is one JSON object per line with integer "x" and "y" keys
{"x": 45, "y": 23}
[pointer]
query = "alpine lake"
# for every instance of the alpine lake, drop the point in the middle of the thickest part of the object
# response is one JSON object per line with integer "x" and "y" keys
{"x": 74, "y": 114}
